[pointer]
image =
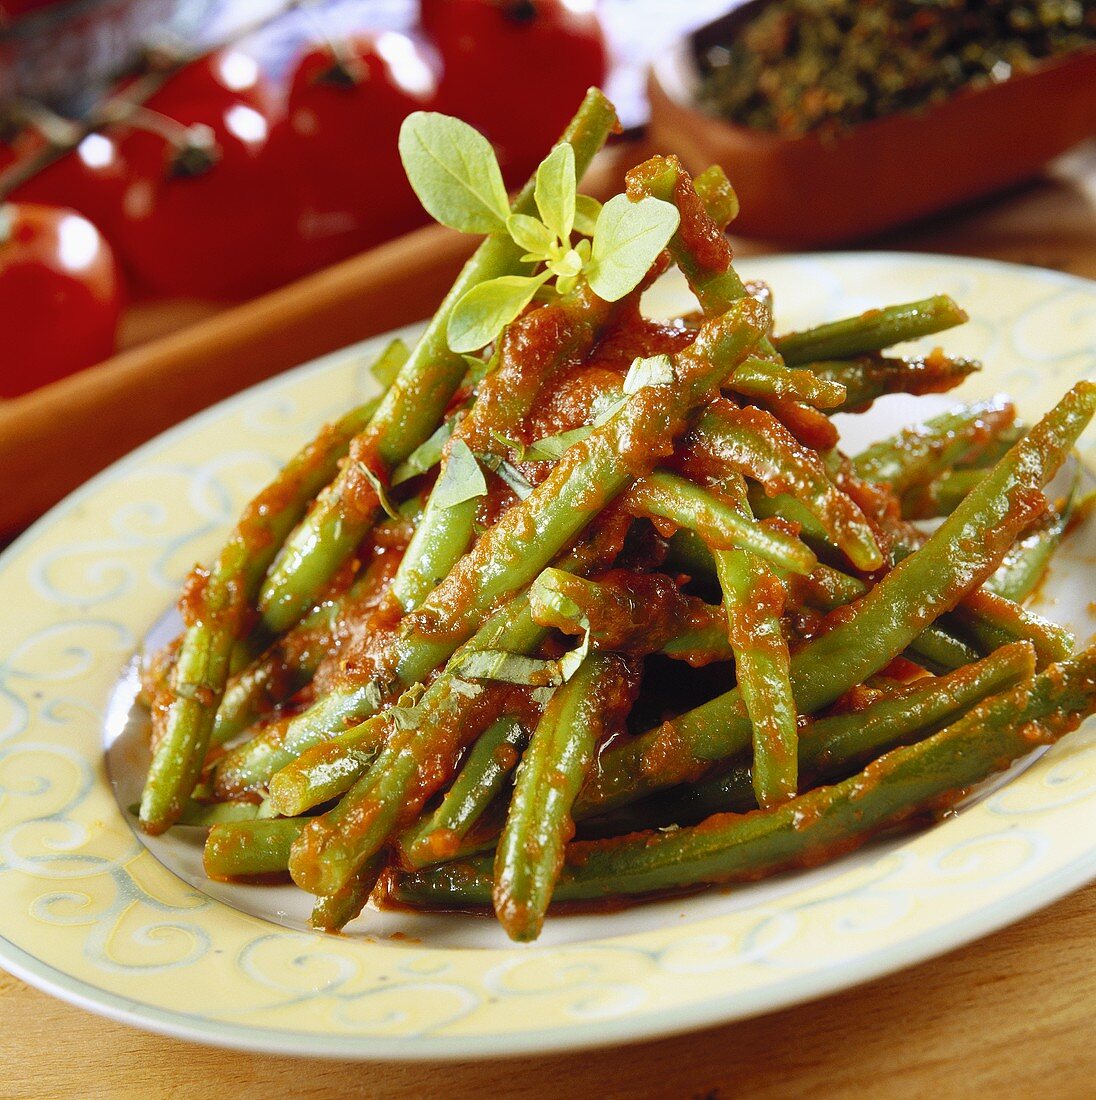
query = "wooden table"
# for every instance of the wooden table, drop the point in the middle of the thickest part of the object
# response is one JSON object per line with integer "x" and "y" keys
{"x": 1011, "y": 1015}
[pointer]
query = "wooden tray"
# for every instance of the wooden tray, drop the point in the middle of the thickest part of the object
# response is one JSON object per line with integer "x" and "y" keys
{"x": 54, "y": 439}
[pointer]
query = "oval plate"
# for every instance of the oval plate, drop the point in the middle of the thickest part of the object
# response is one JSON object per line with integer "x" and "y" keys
{"x": 93, "y": 916}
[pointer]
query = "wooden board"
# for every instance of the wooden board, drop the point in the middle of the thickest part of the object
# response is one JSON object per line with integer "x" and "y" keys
{"x": 1010, "y": 1016}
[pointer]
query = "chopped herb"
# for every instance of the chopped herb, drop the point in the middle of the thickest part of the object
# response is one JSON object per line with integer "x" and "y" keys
{"x": 461, "y": 477}
{"x": 380, "y": 490}
{"x": 427, "y": 454}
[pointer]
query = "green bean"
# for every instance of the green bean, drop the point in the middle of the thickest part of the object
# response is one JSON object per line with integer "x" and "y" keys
{"x": 754, "y": 601}
{"x": 215, "y": 606}
{"x": 869, "y": 377}
{"x": 991, "y": 451}
{"x": 249, "y": 766}
{"x": 993, "y": 621}
{"x": 943, "y": 645}
{"x": 334, "y": 911}
{"x": 538, "y": 824}
{"x": 922, "y": 452}
{"x": 1026, "y": 562}
{"x": 717, "y": 196}
{"x": 698, "y": 247}
{"x": 940, "y": 496}
{"x": 929, "y": 776}
{"x": 329, "y": 769}
{"x": 589, "y": 476}
{"x": 242, "y": 848}
{"x": 291, "y": 661}
{"x": 769, "y": 378}
{"x": 702, "y": 644}
{"x": 955, "y": 560}
{"x": 826, "y": 589}
{"x": 873, "y": 330}
{"x": 278, "y": 673}
{"x": 755, "y": 443}
{"x": 629, "y": 612}
{"x": 202, "y": 815}
{"x": 490, "y": 761}
{"x": 440, "y": 539}
{"x": 830, "y": 748}
{"x": 666, "y": 496}
{"x": 410, "y": 411}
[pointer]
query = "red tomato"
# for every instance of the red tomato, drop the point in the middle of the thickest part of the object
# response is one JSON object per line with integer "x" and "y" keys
{"x": 205, "y": 222}
{"x": 338, "y": 144}
{"x": 229, "y": 74}
{"x": 12, "y": 9}
{"x": 90, "y": 179}
{"x": 60, "y": 295}
{"x": 516, "y": 69}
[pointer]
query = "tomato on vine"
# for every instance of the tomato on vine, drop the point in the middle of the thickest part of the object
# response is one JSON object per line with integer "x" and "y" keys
{"x": 490, "y": 48}
{"x": 337, "y": 143}
{"x": 231, "y": 75}
{"x": 89, "y": 179}
{"x": 60, "y": 295}
{"x": 204, "y": 213}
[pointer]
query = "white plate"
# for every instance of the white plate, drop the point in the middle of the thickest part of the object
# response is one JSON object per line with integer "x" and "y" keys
{"x": 131, "y": 928}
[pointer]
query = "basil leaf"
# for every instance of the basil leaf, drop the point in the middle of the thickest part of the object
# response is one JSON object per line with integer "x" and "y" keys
{"x": 554, "y": 191}
{"x": 587, "y": 209}
{"x": 488, "y": 308}
{"x": 544, "y": 595}
{"x": 658, "y": 370}
{"x": 464, "y": 687}
{"x": 606, "y": 407}
{"x": 627, "y": 239}
{"x": 515, "y": 668}
{"x": 510, "y": 668}
{"x": 532, "y": 235}
{"x": 387, "y": 365}
{"x": 380, "y": 490}
{"x": 514, "y": 445}
{"x": 453, "y": 170}
{"x": 404, "y": 713}
{"x": 551, "y": 447}
{"x": 570, "y": 661}
{"x": 461, "y": 477}
{"x": 566, "y": 266}
{"x": 427, "y": 454}
{"x": 510, "y": 474}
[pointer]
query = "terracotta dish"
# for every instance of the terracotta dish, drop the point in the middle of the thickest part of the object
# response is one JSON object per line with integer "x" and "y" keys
{"x": 814, "y": 190}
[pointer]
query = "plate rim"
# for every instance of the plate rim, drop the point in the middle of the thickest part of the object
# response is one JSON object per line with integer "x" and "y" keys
{"x": 650, "y": 1024}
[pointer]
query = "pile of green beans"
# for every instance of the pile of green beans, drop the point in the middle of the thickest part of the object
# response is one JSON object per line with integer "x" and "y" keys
{"x": 620, "y": 634}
